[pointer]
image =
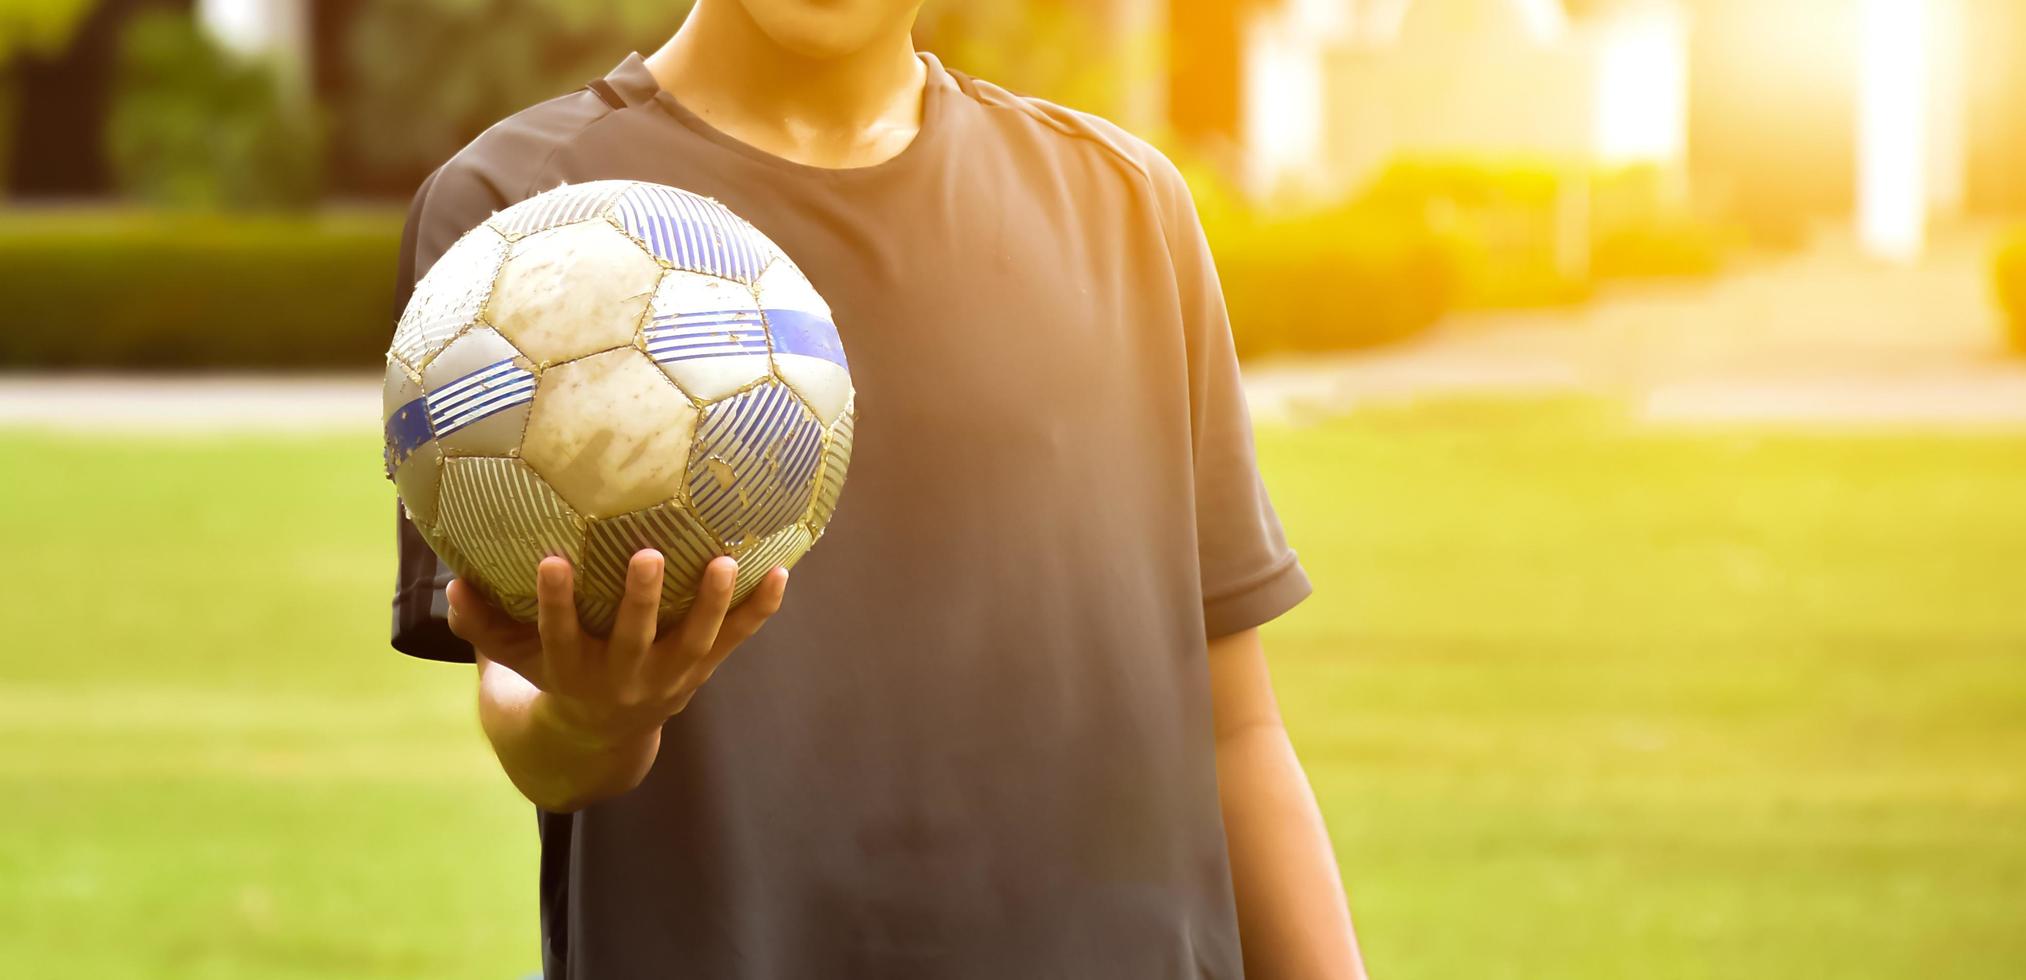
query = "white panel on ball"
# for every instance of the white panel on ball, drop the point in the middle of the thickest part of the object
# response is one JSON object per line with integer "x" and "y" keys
{"x": 610, "y": 433}
{"x": 572, "y": 291}
{"x": 480, "y": 388}
{"x": 707, "y": 333}
{"x": 449, "y": 296}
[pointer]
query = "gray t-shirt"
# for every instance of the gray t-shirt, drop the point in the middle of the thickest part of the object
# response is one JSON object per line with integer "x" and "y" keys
{"x": 976, "y": 741}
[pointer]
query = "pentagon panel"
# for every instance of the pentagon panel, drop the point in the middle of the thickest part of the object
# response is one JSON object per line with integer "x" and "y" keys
{"x": 752, "y": 465}
{"x": 504, "y": 520}
{"x": 572, "y": 291}
{"x": 449, "y": 296}
{"x": 479, "y": 391}
{"x": 781, "y": 549}
{"x": 707, "y": 334}
{"x": 610, "y": 432}
{"x": 611, "y": 542}
{"x": 693, "y": 232}
{"x": 559, "y": 205}
{"x": 830, "y": 481}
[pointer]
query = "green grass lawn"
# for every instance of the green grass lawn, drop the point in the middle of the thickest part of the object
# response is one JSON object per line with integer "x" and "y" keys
{"x": 1581, "y": 701}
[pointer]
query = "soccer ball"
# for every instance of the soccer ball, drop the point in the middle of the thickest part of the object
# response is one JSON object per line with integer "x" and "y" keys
{"x": 613, "y": 366}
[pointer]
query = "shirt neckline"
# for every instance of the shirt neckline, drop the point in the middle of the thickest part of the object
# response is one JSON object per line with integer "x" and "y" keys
{"x": 632, "y": 75}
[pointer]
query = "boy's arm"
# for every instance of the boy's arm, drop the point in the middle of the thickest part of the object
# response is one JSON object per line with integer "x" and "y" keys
{"x": 1293, "y": 919}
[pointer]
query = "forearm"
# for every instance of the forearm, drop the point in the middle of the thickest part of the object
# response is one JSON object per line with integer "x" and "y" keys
{"x": 1292, "y": 915}
{"x": 558, "y": 766}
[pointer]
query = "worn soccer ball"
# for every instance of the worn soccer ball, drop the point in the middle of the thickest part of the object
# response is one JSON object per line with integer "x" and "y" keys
{"x": 613, "y": 366}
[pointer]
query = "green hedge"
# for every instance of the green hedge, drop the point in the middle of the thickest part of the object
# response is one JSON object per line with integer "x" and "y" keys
{"x": 166, "y": 290}
{"x": 102, "y": 289}
{"x": 2009, "y": 273}
{"x": 1338, "y": 280}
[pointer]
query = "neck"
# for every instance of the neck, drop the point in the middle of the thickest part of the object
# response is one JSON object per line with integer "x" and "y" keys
{"x": 826, "y": 111}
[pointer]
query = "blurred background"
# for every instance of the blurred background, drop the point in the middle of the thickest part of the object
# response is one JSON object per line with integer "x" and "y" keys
{"x": 1642, "y": 381}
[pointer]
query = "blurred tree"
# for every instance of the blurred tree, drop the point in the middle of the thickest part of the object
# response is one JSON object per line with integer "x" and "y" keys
{"x": 29, "y": 29}
{"x": 38, "y": 26}
{"x": 426, "y": 76}
{"x": 1054, "y": 49}
{"x": 194, "y": 126}
{"x": 1205, "y": 68}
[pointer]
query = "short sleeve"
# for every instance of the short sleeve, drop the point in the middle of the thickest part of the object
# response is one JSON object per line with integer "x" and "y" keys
{"x": 444, "y": 208}
{"x": 1249, "y": 574}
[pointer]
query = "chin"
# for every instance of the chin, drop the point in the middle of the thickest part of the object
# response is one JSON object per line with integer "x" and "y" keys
{"x": 827, "y": 29}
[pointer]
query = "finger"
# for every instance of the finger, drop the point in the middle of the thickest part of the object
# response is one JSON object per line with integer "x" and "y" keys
{"x": 633, "y": 627}
{"x": 556, "y": 611}
{"x": 472, "y": 617}
{"x": 741, "y": 623}
{"x": 489, "y": 629}
{"x": 699, "y": 628}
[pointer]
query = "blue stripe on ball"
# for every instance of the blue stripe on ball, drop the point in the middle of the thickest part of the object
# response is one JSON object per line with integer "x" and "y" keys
{"x": 407, "y": 429}
{"x": 797, "y": 332}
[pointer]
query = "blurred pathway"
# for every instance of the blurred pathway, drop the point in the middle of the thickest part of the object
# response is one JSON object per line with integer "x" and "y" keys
{"x": 1825, "y": 337}
{"x": 189, "y": 403}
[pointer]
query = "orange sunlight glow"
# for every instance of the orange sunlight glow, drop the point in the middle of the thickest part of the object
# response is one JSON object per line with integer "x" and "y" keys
{"x": 1893, "y": 128}
{"x": 1283, "y": 101}
{"x": 1642, "y": 88}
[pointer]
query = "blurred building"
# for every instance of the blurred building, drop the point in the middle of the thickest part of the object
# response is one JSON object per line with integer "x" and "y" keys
{"x": 1339, "y": 88}
{"x": 1890, "y": 112}
{"x": 61, "y": 98}
{"x": 56, "y": 148}
{"x": 1886, "y": 112}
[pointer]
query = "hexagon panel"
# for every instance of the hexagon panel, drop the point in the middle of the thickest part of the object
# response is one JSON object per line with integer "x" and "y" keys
{"x": 572, "y": 291}
{"x": 707, "y": 334}
{"x": 503, "y": 520}
{"x": 752, "y": 464}
{"x": 610, "y": 433}
{"x": 559, "y": 205}
{"x": 449, "y": 296}
{"x": 480, "y": 389}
